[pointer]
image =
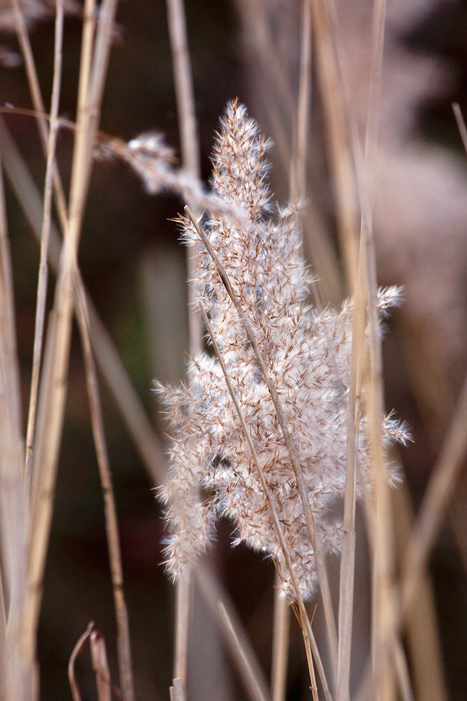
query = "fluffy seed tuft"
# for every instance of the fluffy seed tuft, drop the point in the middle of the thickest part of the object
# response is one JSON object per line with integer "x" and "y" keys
{"x": 308, "y": 357}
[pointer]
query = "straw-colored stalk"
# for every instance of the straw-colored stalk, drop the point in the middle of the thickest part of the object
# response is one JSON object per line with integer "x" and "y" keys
{"x": 305, "y": 621}
{"x": 37, "y": 100}
{"x": 347, "y": 569}
{"x": 191, "y": 164}
{"x": 320, "y": 561}
{"x": 281, "y": 614}
{"x": 337, "y": 134}
{"x": 51, "y": 406}
{"x": 280, "y": 645}
{"x": 111, "y": 521}
{"x": 99, "y": 660}
{"x": 43, "y": 265}
{"x": 17, "y": 672}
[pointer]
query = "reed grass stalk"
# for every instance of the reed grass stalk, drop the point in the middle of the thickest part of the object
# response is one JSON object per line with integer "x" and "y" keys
{"x": 43, "y": 265}
{"x": 305, "y": 621}
{"x": 111, "y": 521}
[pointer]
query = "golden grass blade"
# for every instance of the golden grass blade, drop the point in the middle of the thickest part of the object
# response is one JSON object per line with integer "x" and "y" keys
{"x": 382, "y": 551}
{"x": 380, "y": 518}
{"x": 89, "y": 28}
{"x": 306, "y": 627}
{"x": 280, "y": 645}
{"x": 347, "y": 568}
{"x": 383, "y": 557}
{"x": 101, "y": 666}
{"x": 111, "y": 521}
{"x": 320, "y": 561}
{"x": 339, "y": 150}
{"x": 309, "y": 657}
{"x": 43, "y": 268}
{"x": 300, "y": 149}
{"x": 139, "y": 427}
{"x": 71, "y": 664}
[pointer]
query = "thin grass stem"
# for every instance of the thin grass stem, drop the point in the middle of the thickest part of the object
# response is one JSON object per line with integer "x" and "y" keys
{"x": 306, "y": 627}
{"x": 383, "y": 546}
{"x": 52, "y": 400}
{"x": 280, "y": 645}
{"x": 236, "y": 640}
{"x": 191, "y": 164}
{"x": 320, "y": 562}
{"x": 339, "y": 152}
{"x": 38, "y": 103}
{"x": 309, "y": 657}
{"x": 100, "y": 666}
{"x": 43, "y": 267}
{"x": 254, "y": 690}
{"x": 300, "y": 147}
{"x": 26, "y": 50}
{"x": 71, "y": 664}
{"x": 183, "y": 87}
{"x": 111, "y": 520}
{"x": 182, "y": 627}
{"x": 347, "y": 569}
{"x": 19, "y": 673}
{"x": 402, "y": 671}
{"x": 435, "y": 501}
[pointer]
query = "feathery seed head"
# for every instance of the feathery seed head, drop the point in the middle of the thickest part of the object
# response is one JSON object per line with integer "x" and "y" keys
{"x": 307, "y": 354}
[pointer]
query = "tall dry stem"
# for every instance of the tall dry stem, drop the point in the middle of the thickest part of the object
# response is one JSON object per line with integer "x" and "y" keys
{"x": 52, "y": 400}
{"x": 19, "y": 674}
{"x": 191, "y": 163}
{"x": 111, "y": 521}
{"x": 45, "y": 235}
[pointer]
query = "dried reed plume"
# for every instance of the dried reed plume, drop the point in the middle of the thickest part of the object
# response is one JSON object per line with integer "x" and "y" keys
{"x": 307, "y": 354}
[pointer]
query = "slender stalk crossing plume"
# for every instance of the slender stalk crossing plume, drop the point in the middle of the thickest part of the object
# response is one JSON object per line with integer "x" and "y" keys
{"x": 307, "y": 355}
